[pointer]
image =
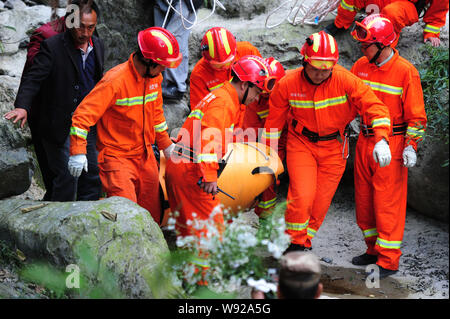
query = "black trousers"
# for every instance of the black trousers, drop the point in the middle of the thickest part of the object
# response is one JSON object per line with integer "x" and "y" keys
{"x": 65, "y": 187}
{"x": 41, "y": 156}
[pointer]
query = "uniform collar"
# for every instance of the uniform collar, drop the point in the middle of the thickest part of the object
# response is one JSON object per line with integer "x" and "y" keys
{"x": 232, "y": 91}
{"x": 387, "y": 64}
{"x": 133, "y": 70}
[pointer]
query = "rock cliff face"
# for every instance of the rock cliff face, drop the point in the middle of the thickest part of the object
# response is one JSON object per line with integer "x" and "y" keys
{"x": 121, "y": 20}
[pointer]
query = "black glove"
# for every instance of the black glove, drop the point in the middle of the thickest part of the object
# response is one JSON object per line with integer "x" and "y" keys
{"x": 333, "y": 30}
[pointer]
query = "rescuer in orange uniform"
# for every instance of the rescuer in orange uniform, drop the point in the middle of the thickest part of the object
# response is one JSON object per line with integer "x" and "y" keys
{"x": 380, "y": 193}
{"x": 192, "y": 171}
{"x": 321, "y": 98}
{"x": 402, "y": 13}
{"x": 219, "y": 51}
{"x": 254, "y": 119}
{"x": 127, "y": 107}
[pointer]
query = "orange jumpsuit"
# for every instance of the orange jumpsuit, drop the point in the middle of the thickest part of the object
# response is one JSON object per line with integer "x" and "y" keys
{"x": 315, "y": 168}
{"x": 201, "y": 143}
{"x": 244, "y": 48}
{"x": 204, "y": 135}
{"x": 402, "y": 13}
{"x": 204, "y": 78}
{"x": 129, "y": 116}
{"x": 254, "y": 118}
{"x": 381, "y": 193}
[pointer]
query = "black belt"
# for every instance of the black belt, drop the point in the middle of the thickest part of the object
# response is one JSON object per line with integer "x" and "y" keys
{"x": 397, "y": 129}
{"x": 313, "y": 136}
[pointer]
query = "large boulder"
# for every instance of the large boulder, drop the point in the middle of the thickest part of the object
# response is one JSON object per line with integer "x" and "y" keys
{"x": 132, "y": 247}
{"x": 15, "y": 25}
{"x": 16, "y": 164}
{"x": 428, "y": 186}
{"x": 119, "y": 23}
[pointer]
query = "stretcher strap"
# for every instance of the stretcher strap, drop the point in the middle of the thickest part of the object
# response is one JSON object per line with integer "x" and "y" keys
{"x": 397, "y": 129}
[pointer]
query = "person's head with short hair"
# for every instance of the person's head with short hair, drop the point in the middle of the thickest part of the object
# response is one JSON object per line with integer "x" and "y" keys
{"x": 82, "y": 27}
{"x": 299, "y": 276}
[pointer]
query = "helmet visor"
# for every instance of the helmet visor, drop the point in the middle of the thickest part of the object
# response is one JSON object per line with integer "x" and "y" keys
{"x": 170, "y": 62}
{"x": 269, "y": 83}
{"x": 322, "y": 64}
{"x": 360, "y": 32}
{"x": 223, "y": 64}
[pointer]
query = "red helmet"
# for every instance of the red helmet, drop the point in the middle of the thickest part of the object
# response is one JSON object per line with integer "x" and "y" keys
{"x": 252, "y": 68}
{"x": 276, "y": 69}
{"x": 219, "y": 47}
{"x": 320, "y": 50}
{"x": 375, "y": 28}
{"x": 160, "y": 45}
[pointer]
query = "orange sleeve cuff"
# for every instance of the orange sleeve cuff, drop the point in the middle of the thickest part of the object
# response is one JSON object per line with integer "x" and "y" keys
{"x": 77, "y": 146}
{"x": 381, "y": 133}
{"x": 163, "y": 140}
{"x": 427, "y": 35}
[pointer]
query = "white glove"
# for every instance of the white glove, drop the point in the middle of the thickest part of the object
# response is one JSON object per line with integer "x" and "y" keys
{"x": 355, "y": 125}
{"x": 168, "y": 150}
{"x": 382, "y": 153}
{"x": 77, "y": 163}
{"x": 409, "y": 156}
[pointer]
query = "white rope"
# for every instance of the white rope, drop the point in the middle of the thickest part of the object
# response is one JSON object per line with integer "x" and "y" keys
{"x": 304, "y": 13}
{"x": 183, "y": 19}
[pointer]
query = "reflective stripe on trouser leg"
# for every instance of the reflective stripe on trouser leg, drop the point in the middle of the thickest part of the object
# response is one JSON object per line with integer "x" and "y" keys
{"x": 308, "y": 199}
{"x": 390, "y": 206}
{"x": 365, "y": 216}
{"x": 389, "y": 195}
{"x": 302, "y": 169}
{"x": 268, "y": 201}
{"x": 331, "y": 167}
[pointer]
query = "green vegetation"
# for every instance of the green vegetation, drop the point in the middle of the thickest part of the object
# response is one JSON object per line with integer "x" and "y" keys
{"x": 235, "y": 257}
{"x": 434, "y": 77}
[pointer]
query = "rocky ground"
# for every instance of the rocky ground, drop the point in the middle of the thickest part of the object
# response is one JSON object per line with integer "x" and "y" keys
{"x": 424, "y": 266}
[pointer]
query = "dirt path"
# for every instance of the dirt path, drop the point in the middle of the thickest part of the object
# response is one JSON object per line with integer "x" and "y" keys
{"x": 424, "y": 265}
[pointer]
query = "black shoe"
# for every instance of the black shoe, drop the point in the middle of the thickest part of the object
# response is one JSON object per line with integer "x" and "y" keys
{"x": 364, "y": 259}
{"x": 172, "y": 93}
{"x": 333, "y": 30}
{"x": 383, "y": 272}
{"x": 296, "y": 247}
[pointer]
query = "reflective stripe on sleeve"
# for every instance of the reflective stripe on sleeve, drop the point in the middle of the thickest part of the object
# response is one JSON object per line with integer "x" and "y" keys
{"x": 78, "y": 132}
{"x": 161, "y": 127}
{"x": 381, "y": 122}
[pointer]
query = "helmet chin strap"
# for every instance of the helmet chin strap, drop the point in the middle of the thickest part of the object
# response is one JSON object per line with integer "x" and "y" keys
{"x": 245, "y": 95}
{"x": 377, "y": 55}
{"x": 147, "y": 64}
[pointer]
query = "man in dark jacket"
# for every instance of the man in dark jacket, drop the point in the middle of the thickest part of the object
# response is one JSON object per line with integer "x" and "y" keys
{"x": 64, "y": 71}
{"x": 42, "y": 33}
